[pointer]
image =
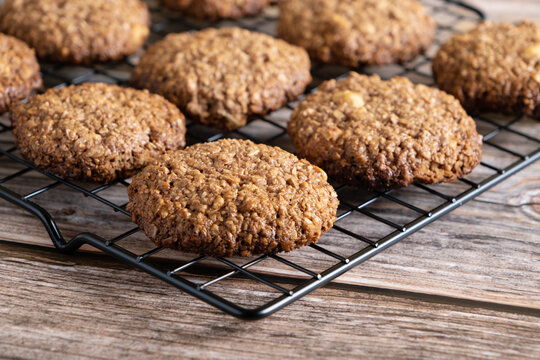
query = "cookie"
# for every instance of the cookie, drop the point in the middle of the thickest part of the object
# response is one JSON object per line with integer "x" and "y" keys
{"x": 232, "y": 197}
{"x": 217, "y": 9}
{"x": 221, "y": 77}
{"x": 494, "y": 67}
{"x": 385, "y": 134}
{"x": 77, "y": 31}
{"x": 96, "y": 132}
{"x": 360, "y": 32}
{"x": 19, "y": 71}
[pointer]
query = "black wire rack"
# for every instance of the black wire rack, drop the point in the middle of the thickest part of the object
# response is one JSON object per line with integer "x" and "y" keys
{"x": 368, "y": 222}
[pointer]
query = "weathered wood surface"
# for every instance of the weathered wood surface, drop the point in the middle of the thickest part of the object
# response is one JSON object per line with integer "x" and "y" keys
{"x": 465, "y": 286}
{"x": 508, "y": 10}
{"x": 55, "y": 306}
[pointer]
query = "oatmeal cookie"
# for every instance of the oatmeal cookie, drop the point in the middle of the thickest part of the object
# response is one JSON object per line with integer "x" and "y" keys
{"x": 222, "y": 76}
{"x": 359, "y": 32}
{"x": 217, "y": 9}
{"x": 494, "y": 67}
{"x": 232, "y": 197}
{"x": 77, "y": 31}
{"x": 385, "y": 134}
{"x": 19, "y": 71}
{"x": 96, "y": 132}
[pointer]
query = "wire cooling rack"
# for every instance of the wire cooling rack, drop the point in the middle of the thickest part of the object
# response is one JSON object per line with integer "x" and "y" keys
{"x": 368, "y": 222}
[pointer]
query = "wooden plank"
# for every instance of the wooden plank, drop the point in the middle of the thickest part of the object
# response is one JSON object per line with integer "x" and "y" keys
{"x": 57, "y": 306}
{"x": 504, "y": 10}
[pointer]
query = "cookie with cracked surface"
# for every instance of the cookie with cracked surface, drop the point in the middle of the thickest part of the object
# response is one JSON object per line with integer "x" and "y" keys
{"x": 19, "y": 71}
{"x": 385, "y": 134}
{"x": 217, "y": 9}
{"x": 77, "y": 31}
{"x": 221, "y": 77}
{"x": 494, "y": 67}
{"x": 359, "y": 32}
{"x": 96, "y": 132}
{"x": 232, "y": 198}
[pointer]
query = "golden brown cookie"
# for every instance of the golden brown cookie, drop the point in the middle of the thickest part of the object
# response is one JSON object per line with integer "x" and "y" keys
{"x": 217, "y": 9}
{"x": 359, "y": 32}
{"x": 221, "y": 77}
{"x": 232, "y": 197}
{"x": 494, "y": 67}
{"x": 77, "y": 31}
{"x": 385, "y": 134}
{"x": 96, "y": 132}
{"x": 19, "y": 71}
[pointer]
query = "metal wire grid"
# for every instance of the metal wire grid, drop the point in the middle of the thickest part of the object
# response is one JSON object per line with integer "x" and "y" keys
{"x": 272, "y": 131}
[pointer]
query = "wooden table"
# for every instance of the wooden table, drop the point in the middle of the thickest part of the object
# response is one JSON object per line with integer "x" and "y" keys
{"x": 467, "y": 286}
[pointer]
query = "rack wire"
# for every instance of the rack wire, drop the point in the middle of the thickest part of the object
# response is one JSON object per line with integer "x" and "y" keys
{"x": 368, "y": 222}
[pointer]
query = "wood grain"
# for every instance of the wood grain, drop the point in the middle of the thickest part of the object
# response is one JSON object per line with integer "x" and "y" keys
{"x": 467, "y": 286}
{"x": 91, "y": 307}
{"x": 508, "y": 10}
